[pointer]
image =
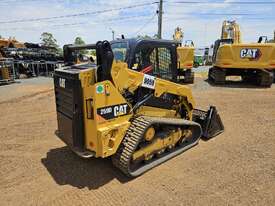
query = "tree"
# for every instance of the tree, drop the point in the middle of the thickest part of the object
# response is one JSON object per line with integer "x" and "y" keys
{"x": 155, "y": 36}
{"x": 144, "y": 36}
{"x": 79, "y": 41}
{"x": 48, "y": 40}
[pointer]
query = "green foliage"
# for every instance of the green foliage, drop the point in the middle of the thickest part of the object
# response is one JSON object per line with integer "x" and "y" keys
{"x": 60, "y": 51}
{"x": 92, "y": 52}
{"x": 147, "y": 36}
{"x": 48, "y": 40}
{"x": 155, "y": 36}
{"x": 79, "y": 41}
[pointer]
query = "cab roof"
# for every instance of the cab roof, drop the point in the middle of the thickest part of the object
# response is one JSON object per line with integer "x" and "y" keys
{"x": 133, "y": 42}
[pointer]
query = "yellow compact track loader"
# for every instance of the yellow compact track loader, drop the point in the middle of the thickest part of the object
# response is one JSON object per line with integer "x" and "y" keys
{"x": 254, "y": 62}
{"x": 129, "y": 105}
{"x": 185, "y": 57}
{"x": 186, "y": 62}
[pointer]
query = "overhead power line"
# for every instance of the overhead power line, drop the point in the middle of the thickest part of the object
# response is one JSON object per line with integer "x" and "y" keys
{"x": 218, "y": 2}
{"x": 78, "y": 14}
{"x": 169, "y": 18}
{"x": 213, "y": 14}
{"x": 119, "y": 19}
{"x": 144, "y": 25}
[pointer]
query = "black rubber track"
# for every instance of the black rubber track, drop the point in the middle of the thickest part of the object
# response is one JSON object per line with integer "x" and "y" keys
{"x": 135, "y": 133}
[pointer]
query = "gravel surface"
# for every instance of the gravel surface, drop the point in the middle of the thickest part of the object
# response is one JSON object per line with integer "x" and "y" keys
{"x": 236, "y": 168}
{"x": 25, "y": 87}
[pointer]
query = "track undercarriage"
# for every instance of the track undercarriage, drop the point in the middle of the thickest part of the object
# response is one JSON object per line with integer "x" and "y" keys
{"x": 150, "y": 141}
{"x": 260, "y": 77}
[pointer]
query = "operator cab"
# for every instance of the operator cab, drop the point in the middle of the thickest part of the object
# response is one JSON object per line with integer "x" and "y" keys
{"x": 153, "y": 57}
{"x": 263, "y": 40}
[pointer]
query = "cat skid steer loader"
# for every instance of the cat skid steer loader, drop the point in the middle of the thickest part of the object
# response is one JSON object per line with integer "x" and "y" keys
{"x": 185, "y": 57}
{"x": 128, "y": 105}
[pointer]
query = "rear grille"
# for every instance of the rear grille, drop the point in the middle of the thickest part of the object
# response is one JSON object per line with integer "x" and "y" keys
{"x": 64, "y": 101}
{"x": 69, "y": 107}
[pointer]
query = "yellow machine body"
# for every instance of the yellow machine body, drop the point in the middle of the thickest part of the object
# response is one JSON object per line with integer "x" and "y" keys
{"x": 258, "y": 56}
{"x": 103, "y": 136}
{"x": 254, "y": 62}
{"x": 140, "y": 119}
{"x": 11, "y": 42}
{"x": 185, "y": 57}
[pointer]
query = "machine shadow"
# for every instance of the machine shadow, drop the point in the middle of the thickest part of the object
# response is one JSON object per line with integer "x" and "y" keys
{"x": 235, "y": 84}
{"x": 67, "y": 168}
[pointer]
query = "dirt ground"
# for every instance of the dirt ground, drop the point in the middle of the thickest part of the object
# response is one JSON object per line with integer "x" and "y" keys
{"x": 236, "y": 168}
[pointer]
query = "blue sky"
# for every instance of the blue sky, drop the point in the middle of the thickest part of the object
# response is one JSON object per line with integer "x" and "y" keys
{"x": 200, "y": 22}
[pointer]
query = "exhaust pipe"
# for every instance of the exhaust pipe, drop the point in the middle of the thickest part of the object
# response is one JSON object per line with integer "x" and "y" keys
{"x": 210, "y": 122}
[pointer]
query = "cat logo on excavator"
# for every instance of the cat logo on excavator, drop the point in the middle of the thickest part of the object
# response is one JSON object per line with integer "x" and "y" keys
{"x": 251, "y": 54}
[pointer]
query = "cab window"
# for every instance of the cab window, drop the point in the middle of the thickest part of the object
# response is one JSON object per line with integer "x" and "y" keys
{"x": 154, "y": 61}
{"x": 119, "y": 50}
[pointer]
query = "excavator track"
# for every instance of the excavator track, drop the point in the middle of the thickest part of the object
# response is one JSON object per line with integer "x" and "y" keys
{"x": 135, "y": 134}
{"x": 265, "y": 79}
{"x": 218, "y": 76}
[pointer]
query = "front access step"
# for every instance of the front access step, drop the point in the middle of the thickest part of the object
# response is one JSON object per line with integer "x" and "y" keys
{"x": 210, "y": 122}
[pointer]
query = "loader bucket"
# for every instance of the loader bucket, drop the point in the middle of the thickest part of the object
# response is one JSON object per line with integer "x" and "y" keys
{"x": 210, "y": 122}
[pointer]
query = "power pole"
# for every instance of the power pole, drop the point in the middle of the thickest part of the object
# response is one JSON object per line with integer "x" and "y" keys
{"x": 160, "y": 12}
{"x": 113, "y": 33}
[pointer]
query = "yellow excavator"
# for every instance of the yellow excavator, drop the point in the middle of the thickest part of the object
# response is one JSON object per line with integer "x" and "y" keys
{"x": 185, "y": 57}
{"x": 254, "y": 62}
{"x": 129, "y": 105}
